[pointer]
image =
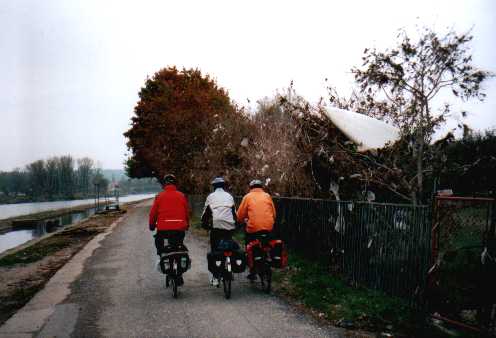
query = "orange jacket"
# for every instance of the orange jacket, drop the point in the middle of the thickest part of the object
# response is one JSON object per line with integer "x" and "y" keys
{"x": 170, "y": 210}
{"x": 258, "y": 208}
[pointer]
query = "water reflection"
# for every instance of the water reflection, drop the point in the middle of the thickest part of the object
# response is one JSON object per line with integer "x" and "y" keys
{"x": 19, "y": 209}
{"x": 16, "y": 237}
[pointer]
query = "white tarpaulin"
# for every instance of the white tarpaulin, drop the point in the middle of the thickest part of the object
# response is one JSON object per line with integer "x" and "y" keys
{"x": 366, "y": 132}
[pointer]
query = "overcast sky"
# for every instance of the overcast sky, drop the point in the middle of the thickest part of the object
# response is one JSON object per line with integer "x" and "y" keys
{"x": 70, "y": 71}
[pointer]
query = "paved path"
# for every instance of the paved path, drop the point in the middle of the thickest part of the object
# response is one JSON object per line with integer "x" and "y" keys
{"x": 119, "y": 294}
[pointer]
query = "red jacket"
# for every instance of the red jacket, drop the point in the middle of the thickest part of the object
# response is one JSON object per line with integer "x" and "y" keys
{"x": 170, "y": 210}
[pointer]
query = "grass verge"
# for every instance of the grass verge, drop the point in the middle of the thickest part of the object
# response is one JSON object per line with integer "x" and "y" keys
{"x": 331, "y": 299}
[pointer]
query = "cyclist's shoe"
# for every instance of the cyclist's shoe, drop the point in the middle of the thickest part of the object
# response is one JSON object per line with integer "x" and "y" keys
{"x": 214, "y": 282}
{"x": 180, "y": 281}
{"x": 252, "y": 276}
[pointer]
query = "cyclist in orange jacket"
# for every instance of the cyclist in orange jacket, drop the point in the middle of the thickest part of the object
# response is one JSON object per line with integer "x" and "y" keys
{"x": 258, "y": 211}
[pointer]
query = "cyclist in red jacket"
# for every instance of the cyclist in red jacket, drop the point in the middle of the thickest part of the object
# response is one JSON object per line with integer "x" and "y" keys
{"x": 169, "y": 215}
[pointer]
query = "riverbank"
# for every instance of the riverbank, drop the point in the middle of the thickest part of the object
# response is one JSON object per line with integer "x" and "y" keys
{"x": 13, "y": 211}
{"x": 4, "y": 199}
{"x": 20, "y": 199}
{"x": 25, "y": 270}
{"x": 6, "y": 224}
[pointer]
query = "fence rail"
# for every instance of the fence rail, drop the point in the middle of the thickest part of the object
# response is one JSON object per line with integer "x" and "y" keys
{"x": 463, "y": 274}
{"x": 441, "y": 257}
{"x": 381, "y": 246}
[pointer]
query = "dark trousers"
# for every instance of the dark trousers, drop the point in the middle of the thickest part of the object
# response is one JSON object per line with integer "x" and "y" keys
{"x": 216, "y": 235}
{"x": 255, "y": 235}
{"x": 174, "y": 238}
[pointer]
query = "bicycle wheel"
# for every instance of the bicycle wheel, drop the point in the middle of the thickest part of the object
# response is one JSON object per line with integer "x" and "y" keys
{"x": 227, "y": 287}
{"x": 261, "y": 275}
{"x": 173, "y": 281}
{"x": 266, "y": 280}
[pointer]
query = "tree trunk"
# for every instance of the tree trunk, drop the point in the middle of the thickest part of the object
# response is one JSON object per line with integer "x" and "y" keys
{"x": 420, "y": 167}
{"x": 424, "y": 114}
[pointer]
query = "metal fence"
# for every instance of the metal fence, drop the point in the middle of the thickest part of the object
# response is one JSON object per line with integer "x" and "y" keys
{"x": 462, "y": 279}
{"x": 380, "y": 246}
{"x": 442, "y": 257}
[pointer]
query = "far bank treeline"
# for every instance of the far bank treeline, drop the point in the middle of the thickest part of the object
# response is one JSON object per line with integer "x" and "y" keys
{"x": 65, "y": 178}
{"x": 186, "y": 124}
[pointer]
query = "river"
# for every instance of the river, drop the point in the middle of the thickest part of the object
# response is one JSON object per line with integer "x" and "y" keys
{"x": 20, "y": 209}
{"x": 12, "y": 238}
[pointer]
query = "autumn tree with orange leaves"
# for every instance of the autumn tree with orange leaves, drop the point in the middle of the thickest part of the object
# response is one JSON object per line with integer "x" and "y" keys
{"x": 174, "y": 119}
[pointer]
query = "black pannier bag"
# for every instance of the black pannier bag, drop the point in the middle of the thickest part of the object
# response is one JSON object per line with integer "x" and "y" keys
{"x": 180, "y": 257}
{"x": 258, "y": 254}
{"x": 183, "y": 262}
{"x": 238, "y": 261}
{"x": 215, "y": 261}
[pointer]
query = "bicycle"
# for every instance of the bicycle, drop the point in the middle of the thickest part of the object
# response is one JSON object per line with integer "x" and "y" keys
{"x": 174, "y": 261}
{"x": 226, "y": 261}
{"x": 261, "y": 260}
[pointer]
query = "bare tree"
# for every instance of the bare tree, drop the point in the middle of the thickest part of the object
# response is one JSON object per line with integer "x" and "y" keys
{"x": 277, "y": 159}
{"x": 410, "y": 76}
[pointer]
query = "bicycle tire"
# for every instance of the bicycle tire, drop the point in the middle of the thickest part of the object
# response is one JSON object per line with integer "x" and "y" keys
{"x": 266, "y": 280}
{"x": 174, "y": 286}
{"x": 227, "y": 287}
{"x": 269, "y": 280}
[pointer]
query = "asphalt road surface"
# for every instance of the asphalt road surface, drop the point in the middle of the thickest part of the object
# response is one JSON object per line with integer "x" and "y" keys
{"x": 120, "y": 294}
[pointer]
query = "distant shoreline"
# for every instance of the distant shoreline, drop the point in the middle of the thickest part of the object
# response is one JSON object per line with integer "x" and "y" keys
{"x": 19, "y": 200}
{"x": 16, "y": 200}
{"x": 6, "y": 224}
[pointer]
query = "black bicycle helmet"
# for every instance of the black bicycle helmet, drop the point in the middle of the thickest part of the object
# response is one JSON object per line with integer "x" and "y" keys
{"x": 169, "y": 179}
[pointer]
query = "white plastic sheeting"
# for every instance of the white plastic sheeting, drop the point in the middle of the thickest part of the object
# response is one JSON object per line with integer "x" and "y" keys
{"x": 366, "y": 132}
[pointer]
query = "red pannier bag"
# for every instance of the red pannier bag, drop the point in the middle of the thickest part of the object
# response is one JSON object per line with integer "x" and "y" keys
{"x": 252, "y": 249}
{"x": 278, "y": 253}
